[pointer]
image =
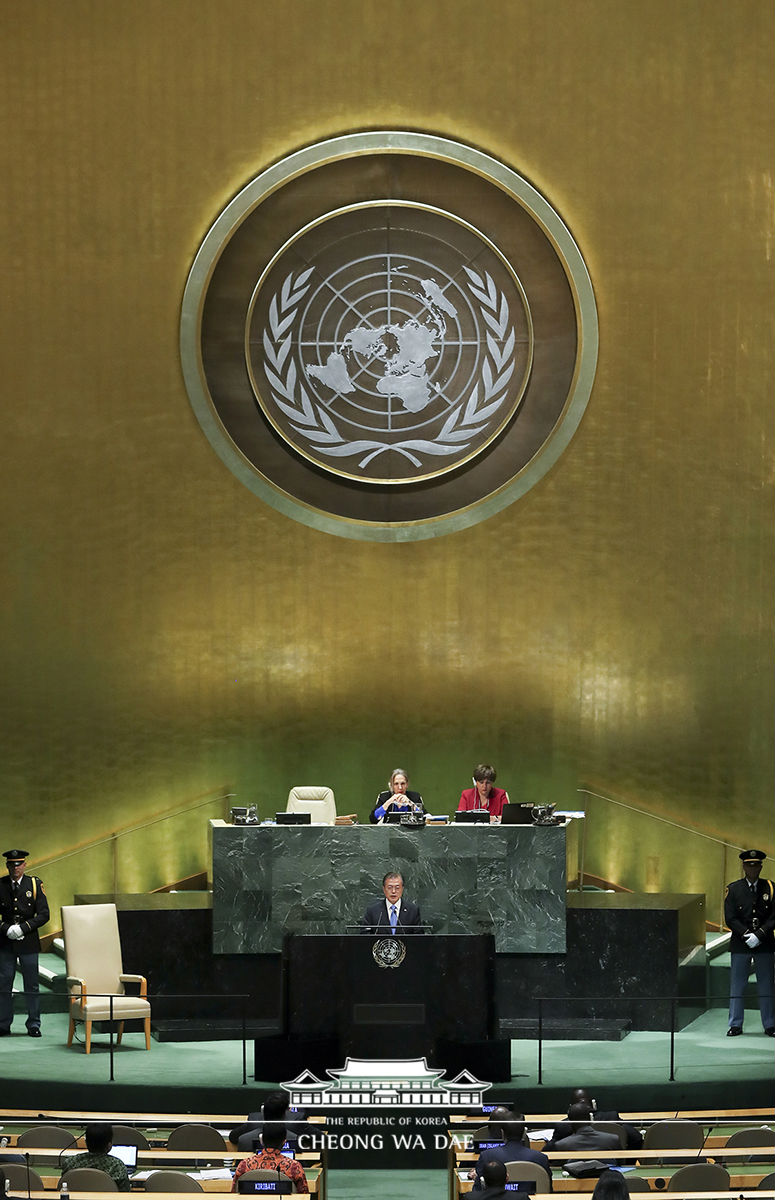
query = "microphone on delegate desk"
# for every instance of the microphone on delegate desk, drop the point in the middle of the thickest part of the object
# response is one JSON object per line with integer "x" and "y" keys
{"x": 69, "y": 1146}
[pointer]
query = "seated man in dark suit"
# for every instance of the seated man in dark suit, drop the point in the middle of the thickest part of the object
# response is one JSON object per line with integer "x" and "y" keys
{"x": 275, "y": 1108}
{"x": 584, "y": 1136}
{"x": 512, "y": 1128}
{"x": 494, "y": 1177}
{"x": 393, "y": 914}
{"x": 634, "y": 1137}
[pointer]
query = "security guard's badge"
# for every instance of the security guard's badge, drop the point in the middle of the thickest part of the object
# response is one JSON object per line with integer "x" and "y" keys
{"x": 389, "y": 952}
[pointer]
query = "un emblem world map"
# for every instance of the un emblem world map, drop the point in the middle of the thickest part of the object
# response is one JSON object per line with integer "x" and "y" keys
{"x": 404, "y": 349}
{"x": 389, "y": 345}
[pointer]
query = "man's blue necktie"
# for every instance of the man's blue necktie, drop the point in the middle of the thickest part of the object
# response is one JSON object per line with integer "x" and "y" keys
{"x": 393, "y": 917}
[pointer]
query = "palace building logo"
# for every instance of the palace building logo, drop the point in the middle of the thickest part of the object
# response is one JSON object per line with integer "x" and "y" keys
{"x": 370, "y": 1083}
{"x": 389, "y": 336}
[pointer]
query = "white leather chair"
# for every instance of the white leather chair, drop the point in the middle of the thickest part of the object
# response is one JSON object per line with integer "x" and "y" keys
{"x": 95, "y": 972}
{"x": 317, "y": 801}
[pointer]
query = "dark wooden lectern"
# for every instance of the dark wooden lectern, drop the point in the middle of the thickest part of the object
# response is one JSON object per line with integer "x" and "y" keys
{"x": 441, "y": 991}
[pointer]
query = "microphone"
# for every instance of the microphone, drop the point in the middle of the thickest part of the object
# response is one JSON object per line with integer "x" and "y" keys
{"x": 69, "y": 1146}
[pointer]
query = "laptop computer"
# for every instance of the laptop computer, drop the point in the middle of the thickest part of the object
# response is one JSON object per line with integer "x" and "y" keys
{"x": 517, "y": 814}
{"x": 127, "y": 1154}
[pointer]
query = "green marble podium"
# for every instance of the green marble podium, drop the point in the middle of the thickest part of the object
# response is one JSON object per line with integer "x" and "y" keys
{"x": 270, "y": 880}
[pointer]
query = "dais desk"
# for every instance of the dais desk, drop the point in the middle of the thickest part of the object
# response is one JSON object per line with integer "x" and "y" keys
{"x": 270, "y": 880}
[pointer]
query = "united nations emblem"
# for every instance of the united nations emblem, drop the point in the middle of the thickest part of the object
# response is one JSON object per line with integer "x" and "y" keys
{"x": 399, "y": 352}
{"x": 389, "y": 952}
{"x": 389, "y": 336}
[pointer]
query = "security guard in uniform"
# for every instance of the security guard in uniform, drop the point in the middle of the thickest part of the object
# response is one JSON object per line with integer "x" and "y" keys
{"x": 23, "y": 909}
{"x": 749, "y": 911}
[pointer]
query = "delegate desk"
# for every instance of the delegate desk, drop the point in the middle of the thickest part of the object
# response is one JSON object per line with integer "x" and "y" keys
{"x": 655, "y": 1166}
{"x": 270, "y": 880}
{"x": 49, "y": 1162}
{"x": 206, "y": 1185}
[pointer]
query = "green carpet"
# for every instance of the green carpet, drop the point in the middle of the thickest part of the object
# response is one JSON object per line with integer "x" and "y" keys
{"x": 711, "y": 1070}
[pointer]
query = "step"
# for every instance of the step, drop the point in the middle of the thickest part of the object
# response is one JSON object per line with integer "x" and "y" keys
{"x": 196, "y": 1030}
{"x": 52, "y": 981}
{"x": 568, "y": 1029}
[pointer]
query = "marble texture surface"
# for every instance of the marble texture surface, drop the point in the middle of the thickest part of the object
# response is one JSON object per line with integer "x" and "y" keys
{"x": 273, "y": 880}
{"x": 627, "y": 955}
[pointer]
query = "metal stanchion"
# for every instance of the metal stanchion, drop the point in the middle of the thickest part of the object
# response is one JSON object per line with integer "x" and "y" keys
{"x": 112, "y": 1076}
{"x": 540, "y": 1035}
{"x": 244, "y": 1045}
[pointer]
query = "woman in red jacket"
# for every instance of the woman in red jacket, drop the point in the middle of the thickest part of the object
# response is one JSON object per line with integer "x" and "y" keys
{"x": 483, "y": 794}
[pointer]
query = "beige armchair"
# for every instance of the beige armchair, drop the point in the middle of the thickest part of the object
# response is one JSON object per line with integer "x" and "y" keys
{"x": 95, "y": 973}
{"x": 317, "y": 801}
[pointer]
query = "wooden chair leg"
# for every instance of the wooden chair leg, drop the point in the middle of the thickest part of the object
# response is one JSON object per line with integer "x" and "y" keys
{"x": 87, "y": 1038}
{"x": 71, "y": 1031}
{"x": 147, "y": 1033}
{"x": 120, "y": 1033}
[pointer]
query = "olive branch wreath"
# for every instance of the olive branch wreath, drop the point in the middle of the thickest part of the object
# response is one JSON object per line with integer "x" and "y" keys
{"x": 312, "y": 421}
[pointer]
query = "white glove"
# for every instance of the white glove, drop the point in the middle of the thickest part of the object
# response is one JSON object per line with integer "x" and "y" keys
{"x": 15, "y": 933}
{"x": 751, "y": 941}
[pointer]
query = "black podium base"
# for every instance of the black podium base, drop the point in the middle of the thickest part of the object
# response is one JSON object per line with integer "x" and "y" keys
{"x": 280, "y": 1059}
{"x": 489, "y": 1060}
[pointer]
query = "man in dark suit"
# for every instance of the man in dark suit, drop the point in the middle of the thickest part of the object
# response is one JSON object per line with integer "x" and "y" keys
{"x": 749, "y": 911}
{"x": 393, "y": 914}
{"x": 494, "y": 1178}
{"x": 563, "y": 1129}
{"x": 275, "y": 1109}
{"x": 511, "y": 1127}
{"x": 23, "y": 909}
{"x": 585, "y": 1136}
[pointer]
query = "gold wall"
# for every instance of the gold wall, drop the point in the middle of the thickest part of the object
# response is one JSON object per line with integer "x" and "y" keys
{"x": 164, "y": 633}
